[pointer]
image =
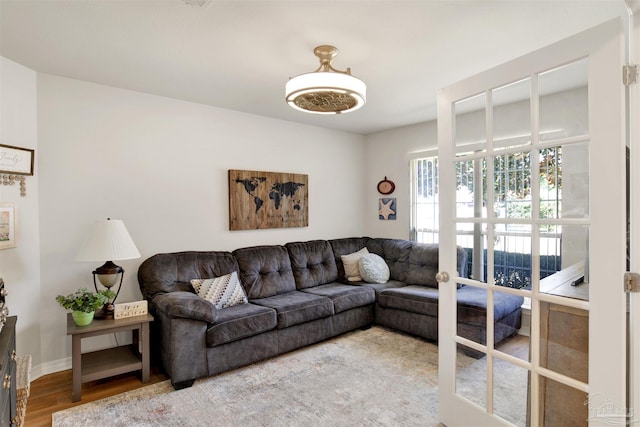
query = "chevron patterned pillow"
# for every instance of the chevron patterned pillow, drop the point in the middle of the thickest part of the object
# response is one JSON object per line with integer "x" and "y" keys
{"x": 224, "y": 291}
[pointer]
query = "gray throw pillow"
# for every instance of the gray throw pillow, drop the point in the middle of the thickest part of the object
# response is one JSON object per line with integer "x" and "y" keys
{"x": 373, "y": 269}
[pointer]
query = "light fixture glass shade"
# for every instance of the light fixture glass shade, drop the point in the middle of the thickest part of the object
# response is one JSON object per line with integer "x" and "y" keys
{"x": 326, "y": 92}
{"x": 109, "y": 240}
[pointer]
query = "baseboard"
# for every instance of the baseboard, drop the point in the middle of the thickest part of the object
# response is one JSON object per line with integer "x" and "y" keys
{"x": 47, "y": 368}
{"x": 525, "y": 328}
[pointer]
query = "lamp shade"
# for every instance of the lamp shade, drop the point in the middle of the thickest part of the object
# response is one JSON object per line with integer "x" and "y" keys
{"x": 109, "y": 240}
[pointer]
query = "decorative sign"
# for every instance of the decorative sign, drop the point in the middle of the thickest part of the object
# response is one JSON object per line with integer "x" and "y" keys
{"x": 130, "y": 309}
{"x": 16, "y": 160}
{"x": 7, "y": 226}
{"x": 267, "y": 200}
{"x": 387, "y": 208}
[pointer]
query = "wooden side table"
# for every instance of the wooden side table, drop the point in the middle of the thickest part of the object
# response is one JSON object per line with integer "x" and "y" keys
{"x": 112, "y": 361}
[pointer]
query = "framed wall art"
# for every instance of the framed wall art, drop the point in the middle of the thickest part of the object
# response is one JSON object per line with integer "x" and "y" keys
{"x": 16, "y": 160}
{"x": 8, "y": 226}
{"x": 387, "y": 208}
{"x": 267, "y": 200}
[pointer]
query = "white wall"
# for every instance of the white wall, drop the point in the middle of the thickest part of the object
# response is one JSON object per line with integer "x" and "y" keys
{"x": 389, "y": 154}
{"x": 160, "y": 165}
{"x": 20, "y": 266}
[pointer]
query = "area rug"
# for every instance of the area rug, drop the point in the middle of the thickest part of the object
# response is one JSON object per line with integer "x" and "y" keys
{"x": 372, "y": 377}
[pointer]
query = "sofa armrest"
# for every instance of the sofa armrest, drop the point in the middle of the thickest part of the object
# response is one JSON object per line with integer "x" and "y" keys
{"x": 185, "y": 305}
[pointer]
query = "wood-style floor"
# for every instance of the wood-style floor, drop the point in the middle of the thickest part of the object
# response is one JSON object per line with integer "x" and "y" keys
{"x": 52, "y": 393}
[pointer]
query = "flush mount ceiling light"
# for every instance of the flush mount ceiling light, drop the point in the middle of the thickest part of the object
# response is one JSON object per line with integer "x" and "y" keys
{"x": 326, "y": 90}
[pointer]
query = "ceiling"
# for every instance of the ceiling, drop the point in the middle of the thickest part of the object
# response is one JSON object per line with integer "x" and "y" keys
{"x": 239, "y": 54}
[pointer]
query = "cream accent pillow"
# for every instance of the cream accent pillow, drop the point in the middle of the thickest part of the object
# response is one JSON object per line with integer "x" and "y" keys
{"x": 351, "y": 269}
{"x": 224, "y": 291}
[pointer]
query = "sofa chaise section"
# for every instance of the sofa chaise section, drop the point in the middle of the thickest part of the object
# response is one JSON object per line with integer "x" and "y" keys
{"x": 408, "y": 302}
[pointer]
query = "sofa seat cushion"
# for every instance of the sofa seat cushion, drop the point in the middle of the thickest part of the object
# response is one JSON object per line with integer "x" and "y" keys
{"x": 297, "y": 307}
{"x": 379, "y": 287}
{"x": 344, "y": 297}
{"x": 472, "y": 305}
{"x": 240, "y": 321}
{"x": 411, "y": 298}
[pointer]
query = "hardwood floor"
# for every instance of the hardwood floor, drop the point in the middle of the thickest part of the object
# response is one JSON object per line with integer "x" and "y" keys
{"x": 52, "y": 393}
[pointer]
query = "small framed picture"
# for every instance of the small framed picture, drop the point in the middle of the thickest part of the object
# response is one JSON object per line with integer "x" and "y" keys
{"x": 8, "y": 226}
{"x": 16, "y": 160}
{"x": 387, "y": 208}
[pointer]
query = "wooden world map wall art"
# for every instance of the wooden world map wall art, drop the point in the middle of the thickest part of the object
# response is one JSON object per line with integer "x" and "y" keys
{"x": 267, "y": 200}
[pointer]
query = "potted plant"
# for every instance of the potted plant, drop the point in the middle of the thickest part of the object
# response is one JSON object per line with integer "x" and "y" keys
{"x": 84, "y": 303}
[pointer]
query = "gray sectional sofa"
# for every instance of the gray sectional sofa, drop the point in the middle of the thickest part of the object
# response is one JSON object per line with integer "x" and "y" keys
{"x": 298, "y": 295}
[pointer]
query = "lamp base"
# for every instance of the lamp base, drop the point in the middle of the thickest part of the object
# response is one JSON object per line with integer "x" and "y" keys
{"x": 106, "y": 312}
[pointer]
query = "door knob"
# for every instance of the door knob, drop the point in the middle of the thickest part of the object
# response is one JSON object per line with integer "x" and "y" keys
{"x": 442, "y": 277}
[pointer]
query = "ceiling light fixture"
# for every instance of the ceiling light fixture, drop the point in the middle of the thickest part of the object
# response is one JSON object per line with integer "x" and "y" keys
{"x": 326, "y": 90}
{"x": 196, "y": 3}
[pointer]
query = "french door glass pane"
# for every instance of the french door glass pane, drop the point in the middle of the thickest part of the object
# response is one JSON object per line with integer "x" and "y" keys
{"x": 564, "y": 261}
{"x": 471, "y": 376}
{"x": 509, "y": 323}
{"x": 564, "y": 340}
{"x": 512, "y": 185}
{"x": 550, "y": 248}
{"x": 564, "y": 108}
{"x": 510, "y": 392}
{"x": 512, "y": 262}
{"x": 473, "y": 238}
{"x": 566, "y": 168}
{"x": 470, "y": 125}
{"x": 471, "y": 188}
{"x": 562, "y": 405}
{"x": 512, "y": 115}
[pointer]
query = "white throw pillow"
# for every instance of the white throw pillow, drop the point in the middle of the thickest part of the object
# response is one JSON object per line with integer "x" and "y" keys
{"x": 373, "y": 269}
{"x": 351, "y": 269}
{"x": 224, "y": 291}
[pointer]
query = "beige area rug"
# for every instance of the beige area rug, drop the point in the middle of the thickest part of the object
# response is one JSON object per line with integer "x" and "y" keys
{"x": 374, "y": 377}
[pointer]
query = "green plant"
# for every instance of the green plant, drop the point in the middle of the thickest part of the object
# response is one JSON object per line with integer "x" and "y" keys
{"x": 85, "y": 300}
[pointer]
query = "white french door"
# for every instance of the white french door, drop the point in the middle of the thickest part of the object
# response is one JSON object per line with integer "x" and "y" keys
{"x": 532, "y": 183}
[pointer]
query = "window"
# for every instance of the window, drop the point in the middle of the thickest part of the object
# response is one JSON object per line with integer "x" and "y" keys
{"x": 512, "y": 188}
{"x": 424, "y": 219}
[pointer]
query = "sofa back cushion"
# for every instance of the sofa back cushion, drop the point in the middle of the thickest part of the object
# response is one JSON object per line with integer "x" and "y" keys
{"x": 346, "y": 246}
{"x": 412, "y": 262}
{"x": 423, "y": 265}
{"x": 265, "y": 271}
{"x": 312, "y": 262}
{"x": 170, "y": 272}
{"x": 396, "y": 253}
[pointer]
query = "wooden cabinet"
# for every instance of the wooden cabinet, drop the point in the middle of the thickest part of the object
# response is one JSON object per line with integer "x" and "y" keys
{"x": 8, "y": 373}
{"x": 564, "y": 348}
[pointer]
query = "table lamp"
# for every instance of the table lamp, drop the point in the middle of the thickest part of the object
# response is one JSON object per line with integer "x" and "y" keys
{"x": 109, "y": 240}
